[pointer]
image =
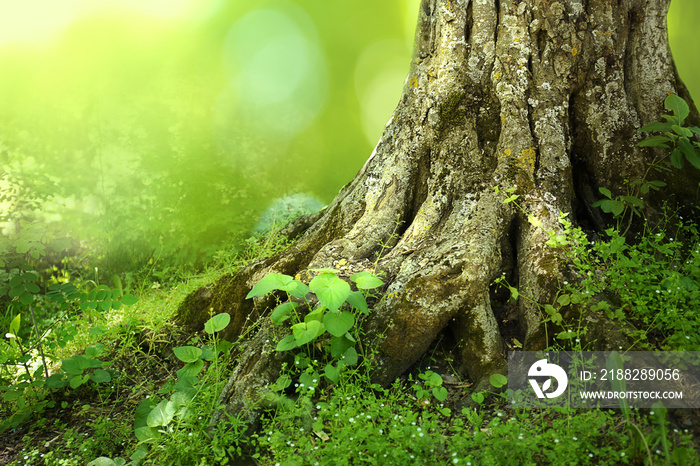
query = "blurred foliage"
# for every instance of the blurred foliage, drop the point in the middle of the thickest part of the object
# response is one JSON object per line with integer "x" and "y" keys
{"x": 143, "y": 137}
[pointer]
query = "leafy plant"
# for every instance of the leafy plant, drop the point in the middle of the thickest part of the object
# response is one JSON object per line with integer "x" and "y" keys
{"x": 329, "y": 317}
{"x": 679, "y": 148}
{"x": 155, "y": 420}
{"x": 432, "y": 384}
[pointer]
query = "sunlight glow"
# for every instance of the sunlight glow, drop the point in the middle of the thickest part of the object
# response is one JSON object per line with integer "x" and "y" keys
{"x": 32, "y": 21}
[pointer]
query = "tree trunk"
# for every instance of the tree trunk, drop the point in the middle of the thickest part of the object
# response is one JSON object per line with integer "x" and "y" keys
{"x": 538, "y": 95}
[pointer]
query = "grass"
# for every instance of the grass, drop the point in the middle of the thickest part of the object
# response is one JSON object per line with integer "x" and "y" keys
{"x": 354, "y": 421}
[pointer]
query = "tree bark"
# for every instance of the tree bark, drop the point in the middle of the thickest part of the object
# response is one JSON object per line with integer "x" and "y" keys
{"x": 538, "y": 95}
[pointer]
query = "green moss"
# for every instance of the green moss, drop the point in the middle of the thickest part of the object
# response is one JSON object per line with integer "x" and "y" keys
{"x": 451, "y": 111}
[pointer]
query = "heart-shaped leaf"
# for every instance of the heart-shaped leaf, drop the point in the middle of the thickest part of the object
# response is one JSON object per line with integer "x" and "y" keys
{"x": 161, "y": 414}
{"x": 191, "y": 369}
{"x": 331, "y": 290}
{"x": 187, "y": 353}
{"x": 304, "y": 332}
{"x": 440, "y": 393}
{"x": 338, "y": 323}
{"x": 281, "y": 312}
{"x": 332, "y": 373}
{"x": 287, "y": 343}
{"x": 339, "y": 345}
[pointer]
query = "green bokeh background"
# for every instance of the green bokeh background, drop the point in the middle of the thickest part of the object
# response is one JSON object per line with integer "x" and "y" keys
{"x": 144, "y": 137}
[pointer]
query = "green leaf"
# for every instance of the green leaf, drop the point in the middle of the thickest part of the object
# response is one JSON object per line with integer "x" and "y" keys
{"x": 677, "y": 158}
{"x": 332, "y": 372}
{"x": 146, "y": 434}
{"x": 435, "y": 380}
{"x": 94, "y": 351}
{"x": 338, "y": 323}
{"x": 339, "y": 345}
{"x": 129, "y": 299}
{"x": 75, "y": 365}
{"x": 143, "y": 410}
{"x": 187, "y": 353}
{"x": 55, "y": 381}
{"x": 22, "y": 246}
{"x": 349, "y": 357}
{"x": 161, "y": 414}
{"x": 498, "y": 380}
{"x": 605, "y": 192}
{"x": 633, "y": 200}
{"x": 564, "y": 300}
{"x": 566, "y": 335}
{"x": 100, "y": 376}
{"x": 32, "y": 288}
{"x": 656, "y": 127}
{"x": 16, "y": 291}
{"x": 281, "y": 312}
{"x": 14, "y": 325}
{"x": 287, "y": 343}
{"x": 614, "y": 207}
{"x": 300, "y": 290}
{"x": 77, "y": 381}
{"x": 440, "y": 393}
{"x": 478, "y": 397}
{"x": 102, "y": 461}
{"x": 655, "y": 141}
{"x": 331, "y": 290}
{"x": 185, "y": 383}
{"x": 681, "y": 131}
{"x": 26, "y": 298}
{"x": 357, "y": 300}
{"x": 316, "y": 314}
{"x": 191, "y": 369}
{"x": 678, "y": 106}
{"x": 689, "y": 151}
{"x": 304, "y": 332}
{"x": 11, "y": 395}
{"x": 217, "y": 323}
{"x": 271, "y": 282}
{"x": 366, "y": 280}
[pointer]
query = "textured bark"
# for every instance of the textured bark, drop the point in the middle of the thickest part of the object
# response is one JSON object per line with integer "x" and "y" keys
{"x": 540, "y": 95}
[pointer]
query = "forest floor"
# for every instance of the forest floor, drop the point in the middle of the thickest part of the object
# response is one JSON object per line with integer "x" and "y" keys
{"x": 430, "y": 415}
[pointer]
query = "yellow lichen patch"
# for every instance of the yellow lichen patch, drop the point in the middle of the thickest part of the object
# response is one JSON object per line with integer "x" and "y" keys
{"x": 527, "y": 159}
{"x": 503, "y": 118}
{"x": 507, "y": 152}
{"x": 574, "y": 52}
{"x": 517, "y": 39}
{"x": 413, "y": 82}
